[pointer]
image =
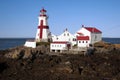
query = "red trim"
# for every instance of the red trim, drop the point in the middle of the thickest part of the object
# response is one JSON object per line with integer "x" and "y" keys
{"x": 82, "y": 37}
{"x": 41, "y": 27}
{"x": 43, "y": 15}
{"x": 44, "y": 27}
{"x": 60, "y": 42}
{"x": 91, "y": 29}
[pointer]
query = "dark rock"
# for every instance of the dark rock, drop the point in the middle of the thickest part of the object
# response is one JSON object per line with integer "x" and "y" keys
{"x": 34, "y": 64}
{"x": 3, "y": 66}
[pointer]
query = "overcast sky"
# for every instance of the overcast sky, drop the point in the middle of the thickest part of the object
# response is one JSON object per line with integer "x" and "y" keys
{"x": 19, "y": 18}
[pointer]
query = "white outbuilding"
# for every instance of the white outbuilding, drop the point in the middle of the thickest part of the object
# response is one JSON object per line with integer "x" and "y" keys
{"x": 30, "y": 43}
{"x": 83, "y": 41}
{"x": 94, "y": 34}
{"x": 59, "y": 46}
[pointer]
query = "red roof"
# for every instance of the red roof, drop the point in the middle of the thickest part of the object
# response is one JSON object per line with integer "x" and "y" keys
{"x": 82, "y": 37}
{"x": 93, "y": 30}
{"x": 60, "y": 42}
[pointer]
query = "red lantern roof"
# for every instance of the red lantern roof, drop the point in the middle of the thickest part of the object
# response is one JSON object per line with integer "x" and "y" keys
{"x": 43, "y": 10}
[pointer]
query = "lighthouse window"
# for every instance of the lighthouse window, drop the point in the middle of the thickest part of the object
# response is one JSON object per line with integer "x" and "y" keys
{"x": 79, "y": 41}
{"x": 86, "y": 41}
{"x": 64, "y": 35}
{"x": 83, "y": 41}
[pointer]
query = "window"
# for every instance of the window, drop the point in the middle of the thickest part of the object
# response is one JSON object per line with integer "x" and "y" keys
{"x": 58, "y": 50}
{"x": 86, "y": 41}
{"x": 79, "y": 41}
{"x": 64, "y": 35}
{"x": 74, "y": 39}
{"x": 95, "y": 37}
{"x": 52, "y": 45}
{"x": 53, "y": 50}
{"x": 83, "y": 41}
{"x": 67, "y": 34}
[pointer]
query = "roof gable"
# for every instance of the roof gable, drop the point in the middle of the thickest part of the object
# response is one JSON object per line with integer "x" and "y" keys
{"x": 66, "y": 33}
{"x": 93, "y": 30}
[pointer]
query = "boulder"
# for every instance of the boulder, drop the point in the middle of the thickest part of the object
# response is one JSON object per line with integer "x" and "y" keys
{"x": 27, "y": 53}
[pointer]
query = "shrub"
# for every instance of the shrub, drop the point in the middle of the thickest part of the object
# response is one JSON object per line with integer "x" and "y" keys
{"x": 42, "y": 43}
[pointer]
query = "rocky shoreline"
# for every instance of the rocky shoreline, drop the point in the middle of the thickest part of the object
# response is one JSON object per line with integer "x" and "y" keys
{"x": 23, "y": 63}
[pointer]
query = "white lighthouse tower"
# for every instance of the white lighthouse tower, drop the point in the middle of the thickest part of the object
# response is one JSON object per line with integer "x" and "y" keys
{"x": 43, "y": 34}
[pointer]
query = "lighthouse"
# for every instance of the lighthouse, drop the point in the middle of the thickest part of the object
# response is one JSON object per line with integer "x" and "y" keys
{"x": 43, "y": 33}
